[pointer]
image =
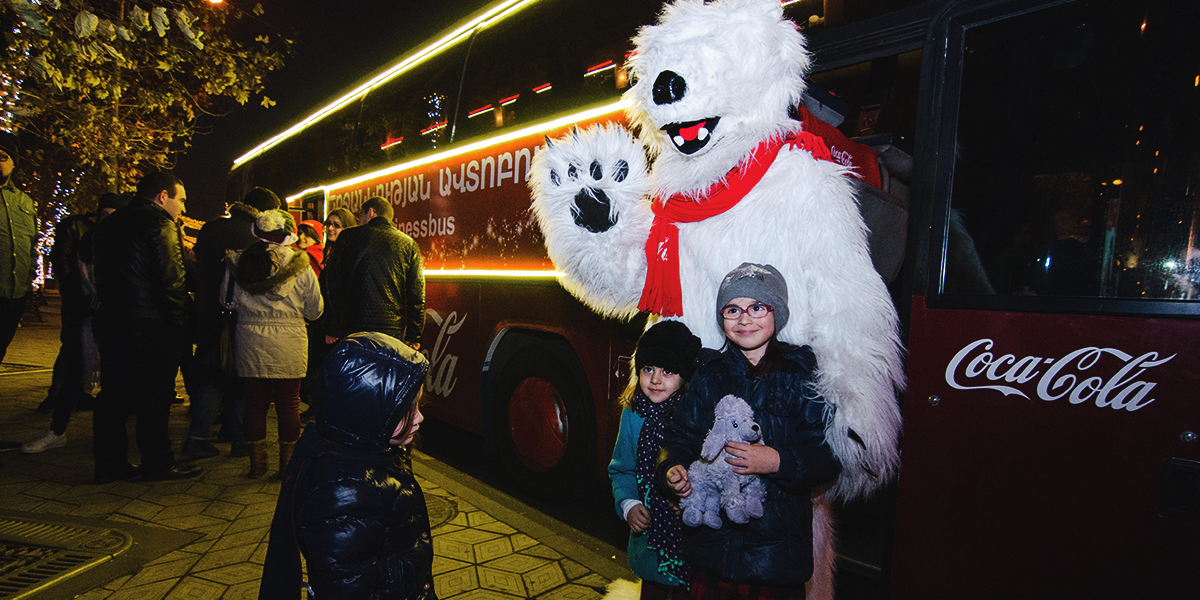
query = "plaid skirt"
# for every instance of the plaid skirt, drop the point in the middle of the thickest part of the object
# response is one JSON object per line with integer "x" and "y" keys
{"x": 705, "y": 586}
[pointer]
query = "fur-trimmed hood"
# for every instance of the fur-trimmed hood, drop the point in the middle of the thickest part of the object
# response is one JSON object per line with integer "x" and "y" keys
{"x": 282, "y": 279}
{"x": 242, "y": 211}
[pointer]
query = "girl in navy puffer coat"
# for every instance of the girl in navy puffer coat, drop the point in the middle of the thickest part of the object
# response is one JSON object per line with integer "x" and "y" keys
{"x": 771, "y": 556}
{"x": 348, "y": 503}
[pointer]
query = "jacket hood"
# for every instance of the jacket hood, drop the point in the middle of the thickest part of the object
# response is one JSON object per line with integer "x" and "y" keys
{"x": 243, "y": 212}
{"x": 281, "y": 281}
{"x": 370, "y": 381}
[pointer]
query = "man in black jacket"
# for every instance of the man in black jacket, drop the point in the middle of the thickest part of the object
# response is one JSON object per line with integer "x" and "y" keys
{"x": 374, "y": 279}
{"x": 211, "y": 390}
{"x": 140, "y": 328}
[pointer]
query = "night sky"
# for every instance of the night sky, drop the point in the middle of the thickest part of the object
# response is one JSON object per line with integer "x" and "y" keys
{"x": 336, "y": 46}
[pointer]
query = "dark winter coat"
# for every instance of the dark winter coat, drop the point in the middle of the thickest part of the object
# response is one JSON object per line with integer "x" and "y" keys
{"x": 139, "y": 265}
{"x": 776, "y": 549}
{"x": 65, "y": 256}
{"x": 347, "y": 503}
{"x": 375, "y": 282}
{"x": 215, "y": 238}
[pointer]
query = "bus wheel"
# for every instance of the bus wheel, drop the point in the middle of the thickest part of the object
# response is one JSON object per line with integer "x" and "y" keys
{"x": 540, "y": 423}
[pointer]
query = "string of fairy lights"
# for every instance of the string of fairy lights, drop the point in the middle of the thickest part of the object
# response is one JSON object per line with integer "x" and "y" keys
{"x": 53, "y": 209}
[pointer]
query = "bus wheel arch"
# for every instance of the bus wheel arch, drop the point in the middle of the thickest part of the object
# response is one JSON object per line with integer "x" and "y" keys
{"x": 538, "y": 415}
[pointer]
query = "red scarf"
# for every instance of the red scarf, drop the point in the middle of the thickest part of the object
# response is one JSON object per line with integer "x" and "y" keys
{"x": 663, "y": 293}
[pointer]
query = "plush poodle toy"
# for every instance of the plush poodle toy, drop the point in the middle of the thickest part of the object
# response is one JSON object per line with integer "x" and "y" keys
{"x": 714, "y": 484}
{"x": 734, "y": 179}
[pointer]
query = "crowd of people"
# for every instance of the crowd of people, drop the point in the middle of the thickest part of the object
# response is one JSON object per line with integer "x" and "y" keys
{"x": 333, "y": 311}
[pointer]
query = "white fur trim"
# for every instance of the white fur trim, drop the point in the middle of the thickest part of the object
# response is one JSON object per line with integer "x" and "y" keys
{"x": 623, "y": 589}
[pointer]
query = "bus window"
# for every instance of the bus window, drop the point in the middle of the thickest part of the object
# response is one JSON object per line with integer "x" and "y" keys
{"x": 408, "y": 115}
{"x": 880, "y": 94}
{"x": 1076, "y": 157}
{"x": 525, "y": 69}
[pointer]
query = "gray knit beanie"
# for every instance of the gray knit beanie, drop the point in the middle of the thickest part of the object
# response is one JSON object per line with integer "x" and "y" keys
{"x": 760, "y": 282}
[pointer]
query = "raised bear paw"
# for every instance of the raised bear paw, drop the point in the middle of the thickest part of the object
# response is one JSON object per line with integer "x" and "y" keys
{"x": 592, "y": 177}
{"x": 591, "y": 201}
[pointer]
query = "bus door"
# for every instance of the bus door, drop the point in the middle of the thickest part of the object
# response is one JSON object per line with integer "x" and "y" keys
{"x": 1050, "y": 443}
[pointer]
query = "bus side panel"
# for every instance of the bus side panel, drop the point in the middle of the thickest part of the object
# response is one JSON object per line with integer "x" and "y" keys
{"x": 455, "y": 341}
{"x": 460, "y": 328}
{"x": 1032, "y": 456}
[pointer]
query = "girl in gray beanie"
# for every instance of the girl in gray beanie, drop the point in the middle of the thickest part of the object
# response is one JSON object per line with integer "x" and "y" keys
{"x": 773, "y": 553}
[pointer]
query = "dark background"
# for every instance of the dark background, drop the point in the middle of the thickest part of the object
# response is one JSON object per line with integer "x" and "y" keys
{"x": 335, "y": 47}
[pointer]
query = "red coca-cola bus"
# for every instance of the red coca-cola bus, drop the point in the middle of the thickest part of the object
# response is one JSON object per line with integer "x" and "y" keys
{"x": 1036, "y": 220}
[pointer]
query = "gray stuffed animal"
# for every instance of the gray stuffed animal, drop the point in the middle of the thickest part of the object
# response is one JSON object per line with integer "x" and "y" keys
{"x": 714, "y": 484}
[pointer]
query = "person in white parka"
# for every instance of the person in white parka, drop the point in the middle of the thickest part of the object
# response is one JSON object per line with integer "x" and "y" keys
{"x": 274, "y": 292}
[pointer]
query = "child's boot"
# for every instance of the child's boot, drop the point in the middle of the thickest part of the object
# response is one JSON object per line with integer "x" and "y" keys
{"x": 258, "y": 458}
{"x": 285, "y": 455}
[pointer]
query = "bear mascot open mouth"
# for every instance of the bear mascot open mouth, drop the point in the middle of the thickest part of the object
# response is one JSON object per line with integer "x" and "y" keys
{"x": 693, "y": 136}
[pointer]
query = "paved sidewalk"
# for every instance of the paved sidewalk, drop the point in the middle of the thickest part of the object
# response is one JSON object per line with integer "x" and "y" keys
{"x": 206, "y": 538}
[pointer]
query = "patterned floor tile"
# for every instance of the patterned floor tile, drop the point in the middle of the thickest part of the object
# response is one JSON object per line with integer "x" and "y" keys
{"x": 571, "y": 592}
{"x": 224, "y": 510}
{"x": 485, "y": 551}
{"x": 497, "y": 527}
{"x": 194, "y": 522}
{"x": 247, "y": 523}
{"x": 232, "y": 574}
{"x": 543, "y": 579}
{"x": 140, "y": 509}
{"x": 521, "y": 541}
{"x": 192, "y": 588}
{"x": 182, "y": 510}
{"x": 573, "y": 569}
{"x": 242, "y": 538}
{"x": 455, "y": 582}
{"x": 471, "y": 536}
{"x": 47, "y": 490}
{"x": 451, "y": 549}
{"x": 153, "y": 591}
{"x": 518, "y": 563}
{"x": 442, "y": 564}
{"x": 221, "y": 558}
{"x": 480, "y": 594}
{"x": 160, "y": 572}
{"x": 501, "y": 581}
{"x": 543, "y": 551}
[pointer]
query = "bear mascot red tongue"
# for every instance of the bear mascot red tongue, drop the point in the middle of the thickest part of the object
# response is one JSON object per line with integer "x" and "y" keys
{"x": 735, "y": 179}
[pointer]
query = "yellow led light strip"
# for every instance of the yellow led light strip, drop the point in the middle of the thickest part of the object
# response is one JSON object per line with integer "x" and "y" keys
{"x": 480, "y": 145}
{"x": 494, "y": 15}
{"x": 492, "y": 273}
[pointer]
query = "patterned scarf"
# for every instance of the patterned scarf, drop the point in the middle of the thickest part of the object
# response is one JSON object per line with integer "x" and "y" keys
{"x": 666, "y": 528}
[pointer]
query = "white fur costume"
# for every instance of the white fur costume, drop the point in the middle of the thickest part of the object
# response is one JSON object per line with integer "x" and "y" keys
{"x": 742, "y": 63}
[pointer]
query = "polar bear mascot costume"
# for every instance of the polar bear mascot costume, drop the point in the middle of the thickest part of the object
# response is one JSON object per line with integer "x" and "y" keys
{"x": 734, "y": 179}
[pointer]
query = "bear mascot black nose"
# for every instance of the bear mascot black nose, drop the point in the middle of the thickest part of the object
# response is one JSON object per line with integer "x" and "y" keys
{"x": 669, "y": 87}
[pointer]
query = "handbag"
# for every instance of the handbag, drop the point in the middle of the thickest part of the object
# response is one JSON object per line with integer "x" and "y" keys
{"x": 215, "y": 354}
{"x": 226, "y": 362}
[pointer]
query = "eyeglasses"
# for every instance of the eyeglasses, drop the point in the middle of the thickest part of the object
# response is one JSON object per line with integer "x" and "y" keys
{"x": 757, "y": 310}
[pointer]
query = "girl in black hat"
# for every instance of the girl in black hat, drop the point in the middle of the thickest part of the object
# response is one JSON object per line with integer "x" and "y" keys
{"x": 665, "y": 360}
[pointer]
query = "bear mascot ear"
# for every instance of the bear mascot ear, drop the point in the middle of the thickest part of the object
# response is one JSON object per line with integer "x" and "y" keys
{"x": 715, "y": 442}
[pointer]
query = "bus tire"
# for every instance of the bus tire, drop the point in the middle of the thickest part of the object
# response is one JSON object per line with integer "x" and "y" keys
{"x": 541, "y": 424}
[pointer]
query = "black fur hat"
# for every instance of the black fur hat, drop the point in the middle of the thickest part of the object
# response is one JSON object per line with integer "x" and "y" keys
{"x": 669, "y": 345}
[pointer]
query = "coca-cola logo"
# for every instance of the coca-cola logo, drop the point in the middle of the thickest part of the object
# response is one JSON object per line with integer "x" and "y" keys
{"x": 441, "y": 378}
{"x": 1106, "y": 376}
